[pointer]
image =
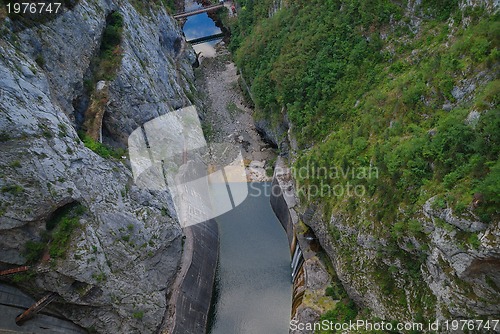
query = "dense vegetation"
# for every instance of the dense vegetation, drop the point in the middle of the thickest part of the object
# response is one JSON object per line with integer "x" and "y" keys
{"x": 365, "y": 86}
{"x": 356, "y": 99}
{"x": 57, "y": 235}
{"x": 110, "y": 55}
{"x": 100, "y": 148}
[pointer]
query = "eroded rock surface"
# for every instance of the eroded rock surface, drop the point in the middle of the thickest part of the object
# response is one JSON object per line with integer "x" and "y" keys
{"x": 123, "y": 257}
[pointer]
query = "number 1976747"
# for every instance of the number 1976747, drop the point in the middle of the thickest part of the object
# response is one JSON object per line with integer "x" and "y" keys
{"x": 33, "y": 7}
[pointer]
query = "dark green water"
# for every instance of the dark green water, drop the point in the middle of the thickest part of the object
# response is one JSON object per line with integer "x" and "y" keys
{"x": 254, "y": 289}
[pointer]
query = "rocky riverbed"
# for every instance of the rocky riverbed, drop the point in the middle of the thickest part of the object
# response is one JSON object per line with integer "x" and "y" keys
{"x": 227, "y": 118}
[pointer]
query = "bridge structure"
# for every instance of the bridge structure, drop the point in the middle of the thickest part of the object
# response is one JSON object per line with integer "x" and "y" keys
{"x": 206, "y": 39}
{"x": 197, "y": 11}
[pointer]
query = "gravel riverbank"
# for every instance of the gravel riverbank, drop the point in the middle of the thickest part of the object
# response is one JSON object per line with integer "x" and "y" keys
{"x": 226, "y": 117}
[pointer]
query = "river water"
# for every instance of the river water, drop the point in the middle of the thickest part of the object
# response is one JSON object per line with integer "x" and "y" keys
{"x": 253, "y": 285}
{"x": 198, "y": 26}
{"x": 253, "y": 289}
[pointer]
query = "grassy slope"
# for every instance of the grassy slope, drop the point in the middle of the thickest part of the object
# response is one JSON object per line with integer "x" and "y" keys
{"x": 355, "y": 99}
{"x": 362, "y": 87}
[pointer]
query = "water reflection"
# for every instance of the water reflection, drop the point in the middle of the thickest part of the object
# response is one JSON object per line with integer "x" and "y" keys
{"x": 254, "y": 289}
{"x": 198, "y": 26}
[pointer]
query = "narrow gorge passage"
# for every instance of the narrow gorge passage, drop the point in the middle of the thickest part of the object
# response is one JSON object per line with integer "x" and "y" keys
{"x": 253, "y": 292}
{"x": 253, "y": 288}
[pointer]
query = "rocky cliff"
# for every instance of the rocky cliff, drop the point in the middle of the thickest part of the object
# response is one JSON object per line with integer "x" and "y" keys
{"x": 459, "y": 281}
{"x": 116, "y": 251}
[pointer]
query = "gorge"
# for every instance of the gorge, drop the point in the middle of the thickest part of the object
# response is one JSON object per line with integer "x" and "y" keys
{"x": 397, "y": 100}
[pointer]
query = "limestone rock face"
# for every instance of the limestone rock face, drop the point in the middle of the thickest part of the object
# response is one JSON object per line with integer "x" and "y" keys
{"x": 459, "y": 278}
{"x": 464, "y": 277}
{"x": 155, "y": 74}
{"x": 274, "y": 135}
{"x": 123, "y": 257}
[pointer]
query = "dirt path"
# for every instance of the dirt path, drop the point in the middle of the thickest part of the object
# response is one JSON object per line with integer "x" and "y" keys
{"x": 227, "y": 118}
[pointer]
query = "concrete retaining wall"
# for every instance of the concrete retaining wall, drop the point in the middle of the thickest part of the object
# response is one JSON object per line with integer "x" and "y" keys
{"x": 281, "y": 209}
{"x": 194, "y": 299}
